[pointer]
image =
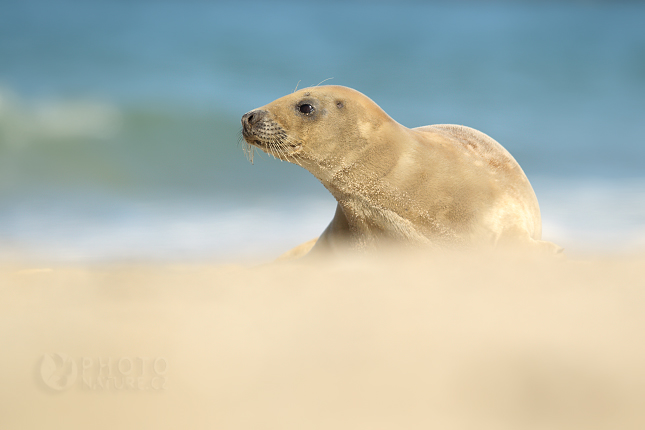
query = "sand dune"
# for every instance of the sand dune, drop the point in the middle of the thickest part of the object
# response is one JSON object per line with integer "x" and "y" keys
{"x": 406, "y": 342}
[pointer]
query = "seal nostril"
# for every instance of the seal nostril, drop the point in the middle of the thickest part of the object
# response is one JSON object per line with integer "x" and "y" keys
{"x": 250, "y": 119}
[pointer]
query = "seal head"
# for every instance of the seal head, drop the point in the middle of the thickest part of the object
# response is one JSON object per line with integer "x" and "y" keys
{"x": 313, "y": 125}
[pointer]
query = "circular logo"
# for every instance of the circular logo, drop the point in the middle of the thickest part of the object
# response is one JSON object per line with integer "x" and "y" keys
{"x": 58, "y": 371}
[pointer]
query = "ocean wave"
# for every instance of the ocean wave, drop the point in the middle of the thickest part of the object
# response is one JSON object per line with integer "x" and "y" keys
{"x": 24, "y": 122}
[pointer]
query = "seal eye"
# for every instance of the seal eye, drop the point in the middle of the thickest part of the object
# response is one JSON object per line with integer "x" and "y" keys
{"x": 306, "y": 108}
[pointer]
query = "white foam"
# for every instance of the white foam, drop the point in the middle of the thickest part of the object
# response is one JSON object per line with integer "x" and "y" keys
{"x": 593, "y": 215}
{"x": 583, "y": 216}
{"x": 23, "y": 122}
{"x": 161, "y": 231}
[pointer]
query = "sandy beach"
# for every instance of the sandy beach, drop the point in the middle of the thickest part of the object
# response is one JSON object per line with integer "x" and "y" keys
{"x": 403, "y": 342}
{"x": 135, "y": 236}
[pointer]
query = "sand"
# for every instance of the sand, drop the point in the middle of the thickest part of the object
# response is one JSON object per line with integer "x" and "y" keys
{"x": 402, "y": 342}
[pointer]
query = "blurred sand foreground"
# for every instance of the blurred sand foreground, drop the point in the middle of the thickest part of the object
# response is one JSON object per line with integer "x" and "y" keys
{"x": 446, "y": 342}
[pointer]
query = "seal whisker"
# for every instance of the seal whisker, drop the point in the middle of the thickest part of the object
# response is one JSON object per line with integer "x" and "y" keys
{"x": 324, "y": 81}
{"x": 290, "y": 156}
{"x": 278, "y": 146}
{"x": 248, "y": 152}
{"x": 269, "y": 150}
{"x": 290, "y": 143}
{"x": 247, "y": 148}
{"x": 275, "y": 145}
{"x": 272, "y": 148}
{"x": 284, "y": 150}
{"x": 283, "y": 144}
{"x": 296, "y": 89}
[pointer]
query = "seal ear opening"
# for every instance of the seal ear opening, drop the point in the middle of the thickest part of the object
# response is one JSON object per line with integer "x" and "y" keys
{"x": 340, "y": 104}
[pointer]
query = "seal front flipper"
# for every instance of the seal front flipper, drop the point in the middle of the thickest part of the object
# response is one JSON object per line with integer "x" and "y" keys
{"x": 297, "y": 252}
{"x": 334, "y": 237}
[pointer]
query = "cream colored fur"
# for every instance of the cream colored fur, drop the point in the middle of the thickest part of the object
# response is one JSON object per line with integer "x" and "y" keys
{"x": 436, "y": 186}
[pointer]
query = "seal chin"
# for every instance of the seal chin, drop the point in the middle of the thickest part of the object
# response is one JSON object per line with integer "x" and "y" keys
{"x": 253, "y": 140}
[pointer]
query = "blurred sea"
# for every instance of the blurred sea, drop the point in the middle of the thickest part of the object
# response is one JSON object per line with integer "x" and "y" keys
{"x": 119, "y": 120}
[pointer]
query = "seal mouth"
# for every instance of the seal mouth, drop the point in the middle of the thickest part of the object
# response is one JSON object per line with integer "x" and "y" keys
{"x": 271, "y": 138}
{"x": 278, "y": 146}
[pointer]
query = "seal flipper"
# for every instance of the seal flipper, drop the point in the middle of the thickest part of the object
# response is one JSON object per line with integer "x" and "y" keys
{"x": 334, "y": 236}
{"x": 298, "y": 252}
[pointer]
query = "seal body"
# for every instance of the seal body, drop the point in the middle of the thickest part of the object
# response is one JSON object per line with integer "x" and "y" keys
{"x": 437, "y": 186}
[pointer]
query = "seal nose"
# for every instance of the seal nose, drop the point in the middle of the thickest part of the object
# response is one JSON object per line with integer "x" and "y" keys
{"x": 249, "y": 119}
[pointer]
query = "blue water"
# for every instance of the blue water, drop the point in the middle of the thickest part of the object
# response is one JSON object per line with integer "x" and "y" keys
{"x": 119, "y": 121}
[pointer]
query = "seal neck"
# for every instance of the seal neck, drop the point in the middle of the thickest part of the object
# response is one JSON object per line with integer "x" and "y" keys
{"x": 366, "y": 169}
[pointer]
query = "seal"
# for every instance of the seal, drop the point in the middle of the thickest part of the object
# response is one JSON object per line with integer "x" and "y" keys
{"x": 437, "y": 186}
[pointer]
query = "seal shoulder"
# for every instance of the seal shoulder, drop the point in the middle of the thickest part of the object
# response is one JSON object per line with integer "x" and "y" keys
{"x": 465, "y": 135}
